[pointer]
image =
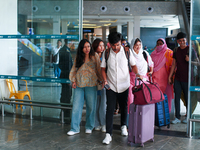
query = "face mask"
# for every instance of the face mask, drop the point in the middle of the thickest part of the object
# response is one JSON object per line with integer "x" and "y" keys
{"x": 159, "y": 48}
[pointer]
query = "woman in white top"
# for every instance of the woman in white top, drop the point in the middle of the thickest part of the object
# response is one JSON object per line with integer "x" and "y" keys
{"x": 145, "y": 66}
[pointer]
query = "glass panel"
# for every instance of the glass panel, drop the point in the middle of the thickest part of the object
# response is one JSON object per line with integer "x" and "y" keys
{"x": 44, "y": 48}
{"x": 195, "y": 67}
{"x": 195, "y": 16}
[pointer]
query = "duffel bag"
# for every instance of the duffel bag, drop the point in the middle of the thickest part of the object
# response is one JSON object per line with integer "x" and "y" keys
{"x": 147, "y": 93}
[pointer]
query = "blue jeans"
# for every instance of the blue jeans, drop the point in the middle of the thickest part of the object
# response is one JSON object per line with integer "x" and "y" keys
{"x": 100, "y": 119}
{"x": 90, "y": 96}
{"x": 57, "y": 70}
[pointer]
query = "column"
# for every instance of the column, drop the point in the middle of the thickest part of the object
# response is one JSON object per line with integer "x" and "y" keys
{"x": 8, "y": 50}
{"x": 136, "y": 29}
{"x": 64, "y": 27}
{"x": 104, "y": 34}
{"x": 56, "y": 28}
{"x": 130, "y": 31}
{"x": 119, "y": 28}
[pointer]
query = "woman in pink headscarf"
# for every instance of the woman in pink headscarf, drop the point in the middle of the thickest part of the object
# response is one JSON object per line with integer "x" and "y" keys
{"x": 162, "y": 57}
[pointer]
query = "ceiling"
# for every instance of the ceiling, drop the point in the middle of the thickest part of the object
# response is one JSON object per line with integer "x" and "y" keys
{"x": 159, "y": 21}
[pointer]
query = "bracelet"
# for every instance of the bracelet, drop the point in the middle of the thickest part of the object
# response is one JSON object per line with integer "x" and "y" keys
{"x": 137, "y": 74}
{"x": 105, "y": 81}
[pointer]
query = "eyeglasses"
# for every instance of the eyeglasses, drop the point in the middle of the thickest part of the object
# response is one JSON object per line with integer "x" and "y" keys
{"x": 124, "y": 44}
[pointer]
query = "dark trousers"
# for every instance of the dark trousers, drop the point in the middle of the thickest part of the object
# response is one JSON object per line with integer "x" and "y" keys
{"x": 178, "y": 88}
{"x": 66, "y": 97}
{"x": 111, "y": 102}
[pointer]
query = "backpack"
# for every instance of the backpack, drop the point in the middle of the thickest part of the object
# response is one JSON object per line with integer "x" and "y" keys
{"x": 127, "y": 53}
{"x": 146, "y": 58}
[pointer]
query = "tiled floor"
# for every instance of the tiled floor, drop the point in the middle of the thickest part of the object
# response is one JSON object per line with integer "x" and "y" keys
{"x": 20, "y": 133}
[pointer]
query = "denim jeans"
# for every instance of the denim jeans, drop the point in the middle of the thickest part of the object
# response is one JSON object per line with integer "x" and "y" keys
{"x": 100, "y": 119}
{"x": 89, "y": 94}
{"x": 57, "y": 70}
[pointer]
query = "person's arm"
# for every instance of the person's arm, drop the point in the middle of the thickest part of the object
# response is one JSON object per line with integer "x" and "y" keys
{"x": 150, "y": 71}
{"x": 135, "y": 70}
{"x": 103, "y": 73}
{"x": 172, "y": 71}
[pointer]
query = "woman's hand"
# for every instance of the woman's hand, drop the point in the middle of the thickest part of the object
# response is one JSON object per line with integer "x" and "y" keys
{"x": 74, "y": 85}
{"x": 170, "y": 80}
{"x": 139, "y": 76}
{"x": 150, "y": 73}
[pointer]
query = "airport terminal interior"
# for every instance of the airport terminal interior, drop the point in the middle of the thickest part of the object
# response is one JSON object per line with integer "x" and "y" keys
{"x": 28, "y": 36}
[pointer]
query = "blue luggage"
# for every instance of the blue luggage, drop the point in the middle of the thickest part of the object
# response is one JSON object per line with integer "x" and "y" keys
{"x": 162, "y": 117}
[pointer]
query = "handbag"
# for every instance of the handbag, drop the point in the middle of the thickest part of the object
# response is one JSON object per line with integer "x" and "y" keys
{"x": 147, "y": 93}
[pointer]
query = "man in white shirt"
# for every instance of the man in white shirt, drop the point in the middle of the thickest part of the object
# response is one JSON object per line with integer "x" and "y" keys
{"x": 55, "y": 54}
{"x": 118, "y": 79}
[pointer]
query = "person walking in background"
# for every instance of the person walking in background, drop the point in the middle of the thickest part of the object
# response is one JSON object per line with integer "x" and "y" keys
{"x": 100, "y": 119}
{"x": 84, "y": 75}
{"x": 65, "y": 64}
{"x": 55, "y": 54}
{"x": 162, "y": 57}
{"x": 180, "y": 63}
{"x": 143, "y": 62}
{"x": 117, "y": 82}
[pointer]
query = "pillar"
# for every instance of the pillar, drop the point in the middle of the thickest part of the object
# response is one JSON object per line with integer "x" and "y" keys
{"x": 136, "y": 29}
{"x": 104, "y": 33}
{"x": 130, "y": 31}
{"x": 119, "y": 28}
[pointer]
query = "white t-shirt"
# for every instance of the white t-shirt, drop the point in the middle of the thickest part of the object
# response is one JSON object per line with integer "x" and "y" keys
{"x": 118, "y": 76}
{"x": 54, "y": 52}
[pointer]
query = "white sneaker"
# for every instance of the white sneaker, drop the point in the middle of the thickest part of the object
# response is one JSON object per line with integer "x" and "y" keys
{"x": 124, "y": 130}
{"x": 97, "y": 128}
{"x": 107, "y": 139}
{"x": 88, "y": 131}
{"x": 72, "y": 133}
{"x": 103, "y": 129}
{"x": 184, "y": 121}
{"x": 176, "y": 120}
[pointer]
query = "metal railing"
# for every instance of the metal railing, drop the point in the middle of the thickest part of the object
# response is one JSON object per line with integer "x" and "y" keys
{"x": 37, "y": 104}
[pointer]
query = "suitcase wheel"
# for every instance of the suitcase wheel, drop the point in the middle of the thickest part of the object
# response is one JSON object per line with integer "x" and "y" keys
{"x": 142, "y": 144}
{"x": 168, "y": 126}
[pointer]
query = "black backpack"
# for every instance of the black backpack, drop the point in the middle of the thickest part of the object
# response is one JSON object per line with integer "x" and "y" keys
{"x": 146, "y": 58}
{"x": 127, "y": 53}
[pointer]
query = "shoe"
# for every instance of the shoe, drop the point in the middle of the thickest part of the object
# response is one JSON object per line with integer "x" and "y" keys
{"x": 72, "y": 133}
{"x": 124, "y": 130}
{"x": 185, "y": 121}
{"x": 97, "y": 128}
{"x": 103, "y": 129}
{"x": 176, "y": 120}
{"x": 107, "y": 139}
{"x": 88, "y": 131}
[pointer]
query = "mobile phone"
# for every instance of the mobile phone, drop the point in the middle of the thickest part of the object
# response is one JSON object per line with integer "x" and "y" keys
{"x": 107, "y": 86}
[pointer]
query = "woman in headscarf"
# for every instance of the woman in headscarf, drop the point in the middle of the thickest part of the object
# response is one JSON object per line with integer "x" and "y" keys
{"x": 162, "y": 57}
{"x": 144, "y": 65}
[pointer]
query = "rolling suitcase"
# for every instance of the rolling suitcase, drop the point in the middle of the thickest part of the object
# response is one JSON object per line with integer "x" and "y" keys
{"x": 141, "y": 123}
{"x": 162, "y": 117}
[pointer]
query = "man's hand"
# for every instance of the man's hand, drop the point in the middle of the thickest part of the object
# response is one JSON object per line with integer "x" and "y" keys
{"x": 187, "y": 58}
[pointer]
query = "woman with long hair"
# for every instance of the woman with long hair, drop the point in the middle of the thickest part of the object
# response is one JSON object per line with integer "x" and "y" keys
{"x": 162, "y": 57}
{"x": 84, "y": 75}
{"x": 100, "y": 119}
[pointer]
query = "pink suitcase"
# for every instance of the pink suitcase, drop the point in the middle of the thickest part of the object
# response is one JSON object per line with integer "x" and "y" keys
{"x": 141, "y": 123}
